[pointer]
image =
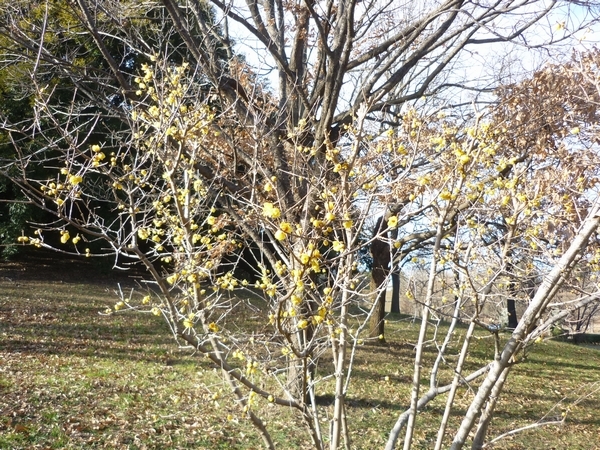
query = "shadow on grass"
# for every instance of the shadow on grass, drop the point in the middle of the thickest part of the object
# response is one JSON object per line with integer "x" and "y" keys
{"x": 45, "y": 265}
{"x": 66, "y": 321}
{"x": 115, "y": 341}
{"x": 361, "y": 402}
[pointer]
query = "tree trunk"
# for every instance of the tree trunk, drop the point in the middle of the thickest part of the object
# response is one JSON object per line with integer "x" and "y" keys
{"x": 377, "y": 324}
{"x": 296, "y": 379}
{"x": 380, "y": 250}
{"x": 300, "y": 371}
{"x": 511, "y": 306}
{"x": 395, "y": 292}
{"x": 488, "y": 412}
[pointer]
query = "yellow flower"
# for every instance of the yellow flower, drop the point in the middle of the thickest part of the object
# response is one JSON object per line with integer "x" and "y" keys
{"x": 211, "y": 220}
{"x": 75, "y": 179}
{"x": 322, "y": 312}
{"x": 304, "y": 258}
{"x": 192, "y": 278}
{"x": 338, "y": 246}
{"x": 188, "y": 323}
{"x": 316, "y": 320}
{"x": 251, "y": 369}
{"x": 347, "y": 224}
{"x": 155, "y": 311}
{"x": 464, "y": 159}
{"x": 392, "y": 222}
{"x": 143, "y": 233}
{"x": 23, "y": 239}
{"x": 269, "y": 210}
{"x": 315, "y": 265}
{"x": 213, "y": 327}
{"x": 64, "y": 238}
{"x": 286, "y": 227}
{"x": 146, "y": 300}
{"x": 445, "y": 195}
{"x": 280, "y": 235}
{"x": 302, "y": 324}
{"x": 76, "y": 239}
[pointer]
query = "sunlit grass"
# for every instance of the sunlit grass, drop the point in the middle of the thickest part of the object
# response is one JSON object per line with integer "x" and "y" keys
{"x": 73, "y": 378}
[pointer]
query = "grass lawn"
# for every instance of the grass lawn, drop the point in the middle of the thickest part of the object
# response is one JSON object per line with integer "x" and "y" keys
{"x": 73, "y": 378}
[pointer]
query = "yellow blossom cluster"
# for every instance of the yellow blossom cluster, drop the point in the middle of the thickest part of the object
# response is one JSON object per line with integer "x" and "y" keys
{"x": 169, "y": 114}
{"x": 271, "y": 211}
{"x": 311, "y": 257}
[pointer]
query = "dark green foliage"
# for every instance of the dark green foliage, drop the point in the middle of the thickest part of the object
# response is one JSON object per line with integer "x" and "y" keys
{"x": 74, "y": 75}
